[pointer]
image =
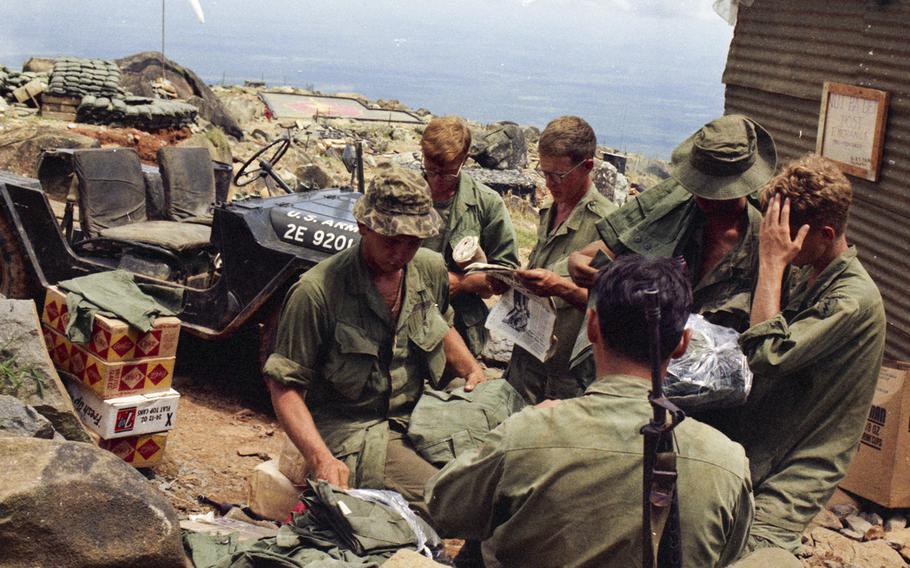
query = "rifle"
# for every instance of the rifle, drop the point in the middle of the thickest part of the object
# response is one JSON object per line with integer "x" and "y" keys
{"x": 661, "y": 540}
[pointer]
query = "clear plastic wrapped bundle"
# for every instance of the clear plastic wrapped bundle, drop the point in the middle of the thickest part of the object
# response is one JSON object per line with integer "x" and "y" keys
{"x": 713, "y": 373}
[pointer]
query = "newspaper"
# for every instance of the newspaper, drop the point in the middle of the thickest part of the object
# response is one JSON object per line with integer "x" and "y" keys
{"x": 525, "y": 319}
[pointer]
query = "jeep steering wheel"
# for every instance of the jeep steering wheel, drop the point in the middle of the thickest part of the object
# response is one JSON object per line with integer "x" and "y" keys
{"x": 247, "y": 175}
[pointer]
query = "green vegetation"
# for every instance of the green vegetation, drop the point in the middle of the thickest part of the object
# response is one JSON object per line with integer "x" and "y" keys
{"x": 14, "y": 375}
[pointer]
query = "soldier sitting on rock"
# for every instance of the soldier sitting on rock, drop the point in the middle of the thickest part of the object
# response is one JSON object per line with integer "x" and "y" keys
{"x": 360, "y": 335}
{"x": 468, "y": 209}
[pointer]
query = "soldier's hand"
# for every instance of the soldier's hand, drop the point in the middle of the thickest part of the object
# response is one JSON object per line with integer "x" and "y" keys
{"x": 541, "y": 282}
{"x": 776, "y": 246}
{"x": 473, "y": 379}
{"x": 496, "y": 285}
{"x": 332, "y": 470}
{"x": 476, "y": 283}
{"x": 581, "y": 271}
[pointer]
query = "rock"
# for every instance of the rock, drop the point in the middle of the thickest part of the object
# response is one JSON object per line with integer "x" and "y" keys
{"x": 857, "y": 523}
{"x": 532, "y": 134}
{"x": 505, "y": 181}
{"x": 609, "y": 182}
{"x": 214, "y": 140}
{"x": 842, "y": 552}
{"x": 895, "y": 522}
{"x": 899, "y": 537}
{"x": 875, "y": 533}
{"x": 72, "y": 505}
{"x": 17, "y": 419}
{"x": 311, "y": 176}
{"x": 31, "y": 376}
{"x": 852, "y": 534}
{"x": 39, "y": 65}
{"x": 398, "y": 134}
{"x": 873, "y": 518}
{"x": 21, "y": 148}
{"x": 498, "y": 350}
{"x": 827, "y": 519}
{"x": 501, "y": 147}
{"x": 243, "y": 108}
{"x": 905, "y": 553}
{"x": 140, "y": 70}
{"x": 844, "y": 510}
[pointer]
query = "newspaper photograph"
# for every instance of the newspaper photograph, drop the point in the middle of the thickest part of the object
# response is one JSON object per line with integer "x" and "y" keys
{"x": 525, "y": 319}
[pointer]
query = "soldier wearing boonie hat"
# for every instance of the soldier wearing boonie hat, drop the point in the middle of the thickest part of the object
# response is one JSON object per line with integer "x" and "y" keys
{"x": 360, "y": 336}
{"x": 702, "y": 213}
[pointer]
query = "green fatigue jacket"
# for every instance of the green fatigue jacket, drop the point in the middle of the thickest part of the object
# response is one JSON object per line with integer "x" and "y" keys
{"x": 666, "y": 221}
{"x": 816, "y": 365}
{"x": 561, "y": 486}
{"x": 476, "y": 211}
{"x": 533, "y": 379}
{"x": 360, "y": 370}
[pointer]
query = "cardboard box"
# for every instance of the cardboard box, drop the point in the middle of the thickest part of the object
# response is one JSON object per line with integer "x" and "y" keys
{"x": 138, "y": 451}
{"x": 125, "y": 416}
{"x": 107, "y": 379}
{"x": 272, "y": 495}
{"x": 880, "y": 470}
{"x": 112, "y": 339}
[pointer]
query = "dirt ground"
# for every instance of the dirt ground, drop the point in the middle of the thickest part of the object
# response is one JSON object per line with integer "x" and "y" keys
{"x": 219, "y": 437}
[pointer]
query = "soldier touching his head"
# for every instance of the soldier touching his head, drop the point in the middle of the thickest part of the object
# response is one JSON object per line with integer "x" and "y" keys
{"x": 360, "y": 335}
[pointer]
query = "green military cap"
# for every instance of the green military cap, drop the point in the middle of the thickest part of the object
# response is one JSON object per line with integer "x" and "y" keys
{"x": 728, "y": 158}
{"x": 398, "y": 202}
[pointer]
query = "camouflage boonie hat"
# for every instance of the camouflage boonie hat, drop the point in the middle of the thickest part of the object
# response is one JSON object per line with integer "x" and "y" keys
{"x": 398, "y": 202}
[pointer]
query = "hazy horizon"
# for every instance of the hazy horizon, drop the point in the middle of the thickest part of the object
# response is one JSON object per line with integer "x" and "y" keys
{"x": 644, "y": 73}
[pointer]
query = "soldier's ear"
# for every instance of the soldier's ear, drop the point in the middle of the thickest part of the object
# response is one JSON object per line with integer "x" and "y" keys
{"x": 682, "y": 345}
{"x": 593, "y": 328}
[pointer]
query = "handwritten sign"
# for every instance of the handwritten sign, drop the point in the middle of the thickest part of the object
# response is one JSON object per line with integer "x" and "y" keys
{"x": 851, "y": 128}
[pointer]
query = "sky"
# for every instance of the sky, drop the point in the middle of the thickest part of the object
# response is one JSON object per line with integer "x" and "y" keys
{"x": 645, "y": 72}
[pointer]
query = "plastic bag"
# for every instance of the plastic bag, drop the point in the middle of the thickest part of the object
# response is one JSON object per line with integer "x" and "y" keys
{"x": 427, "y": 539}
{"x": 713, "y": 373}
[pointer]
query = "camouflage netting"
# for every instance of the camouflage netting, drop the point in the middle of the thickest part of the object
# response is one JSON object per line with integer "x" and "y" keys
{"x": 137, "y": 112}
{"x": 11, "y": 80}
{"x": 79, "y": 77}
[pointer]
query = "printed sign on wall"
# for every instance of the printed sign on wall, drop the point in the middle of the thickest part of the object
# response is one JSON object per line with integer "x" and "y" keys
{"x": 851, "y": 128}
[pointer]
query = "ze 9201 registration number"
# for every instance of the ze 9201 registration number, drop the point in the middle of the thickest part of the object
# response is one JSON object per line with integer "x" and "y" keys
{"x": 312, "y": 232}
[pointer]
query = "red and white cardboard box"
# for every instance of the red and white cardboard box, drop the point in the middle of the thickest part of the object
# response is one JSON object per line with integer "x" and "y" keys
{"x": 112, "y": 339}
{"x": 109, "y": 379}
{"x": 145, "y": 450}
{"x": 124, "y": 416}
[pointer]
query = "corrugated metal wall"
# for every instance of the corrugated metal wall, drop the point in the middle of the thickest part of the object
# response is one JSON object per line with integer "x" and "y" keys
{"x": 781, "y": 54}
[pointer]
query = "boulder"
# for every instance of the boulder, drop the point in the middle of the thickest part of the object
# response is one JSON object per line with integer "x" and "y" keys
{"x": 609, "y": 182}
{"x": 505, "y": 181}
{"x": 501, "y": 147}
{"x": 140, "y": 70}
{"x": 72, "y": 505}
{"x": 311, "y": 176}
{"x": 20, "y": 148}
{"x": 39, "y": 65}
{"x": 29, "y": 375}
{"x": 17, "y": 419}
{"x": 837, "y": 550}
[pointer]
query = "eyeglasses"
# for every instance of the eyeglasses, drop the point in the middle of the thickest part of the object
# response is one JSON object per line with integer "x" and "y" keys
{"x": 557, "y": 177}
{"x": 427, "y": 174}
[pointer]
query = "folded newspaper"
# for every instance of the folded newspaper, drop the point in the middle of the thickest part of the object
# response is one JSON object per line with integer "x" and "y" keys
{"x": 524, "y": 318}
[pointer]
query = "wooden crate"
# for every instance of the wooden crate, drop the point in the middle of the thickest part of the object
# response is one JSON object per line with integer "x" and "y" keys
{"x": 59, "y": 107}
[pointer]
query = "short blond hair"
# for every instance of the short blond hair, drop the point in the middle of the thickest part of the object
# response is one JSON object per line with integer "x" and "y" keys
{"x": 445, "y": 139}
{"x": 819, "y": 193}
{"x": 568, "y": 136}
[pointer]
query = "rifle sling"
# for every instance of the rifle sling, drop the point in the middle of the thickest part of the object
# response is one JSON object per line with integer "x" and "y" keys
{"x": 663, "y": 486}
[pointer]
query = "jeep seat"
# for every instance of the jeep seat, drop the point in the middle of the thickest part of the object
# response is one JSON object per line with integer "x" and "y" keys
{"x": 112, "y": 203}
{"x": 189, "y": 183}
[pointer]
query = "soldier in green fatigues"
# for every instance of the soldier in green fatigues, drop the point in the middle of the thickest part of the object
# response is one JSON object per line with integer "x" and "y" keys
{"x": 561, "y": 485}
{"x": 566, "y": 150}
{"x": 468, "y": 209}
{"x": 703, "y": 214}
{"x": 360, "y": 335}
{"x": 815, "y": 357}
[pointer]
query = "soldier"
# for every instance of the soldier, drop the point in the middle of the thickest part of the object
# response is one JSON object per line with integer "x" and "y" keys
{"x": 468, "y": 209}
{"x": 815, "y": 357}
{"x": 561, "y": 485}
{"x": 566, "y": 150}
{"x": 701, "y": 213}
{"x": 360, "y": 335}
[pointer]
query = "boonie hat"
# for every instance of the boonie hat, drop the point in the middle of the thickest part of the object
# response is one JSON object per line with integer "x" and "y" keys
{"x": 397, "y": 202}
{"x": 728, "y": 158}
